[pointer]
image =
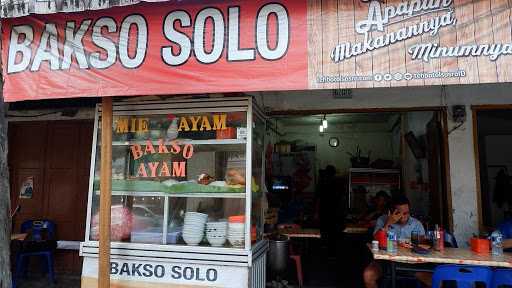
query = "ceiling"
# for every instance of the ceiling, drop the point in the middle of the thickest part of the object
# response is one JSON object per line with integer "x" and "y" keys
{"x": 347, "y": 118}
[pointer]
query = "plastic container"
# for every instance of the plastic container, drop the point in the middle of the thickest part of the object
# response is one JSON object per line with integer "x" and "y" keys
{"x": 172, "y": 237}
{"x": 497, "y": 243}
{"x": 152, "y": 235}
{"x": 480, "y": 246}
{"x": 382, "y": 238}
{"x": 392, "y": 241}
{"x": 237, "y": 219}
{"x": 375, "y": 246}
{"x": 228, "y": 133}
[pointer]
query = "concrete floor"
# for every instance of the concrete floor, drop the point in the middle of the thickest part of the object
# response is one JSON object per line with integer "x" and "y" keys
{"x": 41, "y": 281}
{"x": 69, "y": 281}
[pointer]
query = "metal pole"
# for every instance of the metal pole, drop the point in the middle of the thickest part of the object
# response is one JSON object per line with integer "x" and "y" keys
{"x": 5, "y": 202}
{"x": 105, "y": 192}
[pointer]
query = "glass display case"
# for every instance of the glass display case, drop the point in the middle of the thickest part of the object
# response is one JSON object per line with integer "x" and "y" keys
{"x": 186, "y": 176}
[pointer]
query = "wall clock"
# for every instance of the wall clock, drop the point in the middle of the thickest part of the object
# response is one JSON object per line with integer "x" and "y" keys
{"x": 334, "y": 142}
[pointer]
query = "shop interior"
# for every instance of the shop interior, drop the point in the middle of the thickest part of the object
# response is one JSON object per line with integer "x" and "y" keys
{"x": 494, "y": 138}
{"x": 324, "y": 171}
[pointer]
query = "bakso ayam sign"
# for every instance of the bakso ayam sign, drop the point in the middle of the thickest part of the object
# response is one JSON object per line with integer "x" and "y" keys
{"x": 169, "y": 149}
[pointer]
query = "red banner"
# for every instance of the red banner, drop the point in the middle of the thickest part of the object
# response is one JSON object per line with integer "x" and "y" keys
{"x": 161, "y": 48}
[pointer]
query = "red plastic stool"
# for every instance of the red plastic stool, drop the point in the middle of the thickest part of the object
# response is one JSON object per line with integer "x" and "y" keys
{"x": 298, "y": 265}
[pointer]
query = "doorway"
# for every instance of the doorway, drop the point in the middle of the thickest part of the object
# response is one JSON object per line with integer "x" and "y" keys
{"x": 54, "y": 157}
{"x": 372, "y": 152}
{"x": 493, "y": 137}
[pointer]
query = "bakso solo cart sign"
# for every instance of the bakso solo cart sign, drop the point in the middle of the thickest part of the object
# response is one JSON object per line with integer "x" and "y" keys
{"x": 163, "y": 274}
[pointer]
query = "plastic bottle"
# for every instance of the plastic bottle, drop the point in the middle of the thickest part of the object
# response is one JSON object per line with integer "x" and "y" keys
{"x": 497, "y": 243}
{"x": 439, "y": 236}
{"x": 392, "y": 241}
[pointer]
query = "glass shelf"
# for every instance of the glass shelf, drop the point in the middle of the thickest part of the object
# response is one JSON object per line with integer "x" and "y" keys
{"x": 194, "y": 195}
{"x": 184, "y": 141}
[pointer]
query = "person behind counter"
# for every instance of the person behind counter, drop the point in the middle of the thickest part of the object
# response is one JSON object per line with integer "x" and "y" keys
{"x": 380, "y": 207}
{"x": 328, "y": 210}
{"x": 402, "y": 223}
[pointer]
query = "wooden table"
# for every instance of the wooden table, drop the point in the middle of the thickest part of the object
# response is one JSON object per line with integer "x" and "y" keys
{"x": 19, "y": 236}
{"x": 460, "y": 256}
{"x": 355, "y": 229}
{"x": 301, "y": 233}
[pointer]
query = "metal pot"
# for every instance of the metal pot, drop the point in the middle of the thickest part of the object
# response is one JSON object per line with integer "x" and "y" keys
{"x": 278, "y": 253}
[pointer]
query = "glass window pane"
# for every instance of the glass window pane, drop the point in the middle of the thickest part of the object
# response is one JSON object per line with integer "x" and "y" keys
{"x": 133, "y": 219}
{"x": 257, "y": 220}
{"x": 196, "y": 162}
{"x": 202, "y": 232}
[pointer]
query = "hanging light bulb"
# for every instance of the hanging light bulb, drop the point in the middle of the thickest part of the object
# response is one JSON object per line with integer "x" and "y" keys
{"x": 321, "y": 128}
{"x": 324, "y": 122}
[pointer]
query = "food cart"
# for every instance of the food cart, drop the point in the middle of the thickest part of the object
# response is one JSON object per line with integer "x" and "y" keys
{"x": 187, "y": 195}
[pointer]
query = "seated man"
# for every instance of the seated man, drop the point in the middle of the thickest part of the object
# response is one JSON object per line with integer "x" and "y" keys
{"x": 506, "y": 230}
{"x": 403, "y": 224}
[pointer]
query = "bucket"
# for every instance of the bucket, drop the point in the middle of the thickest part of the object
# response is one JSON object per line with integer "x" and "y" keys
{"x": 278, "y": 253}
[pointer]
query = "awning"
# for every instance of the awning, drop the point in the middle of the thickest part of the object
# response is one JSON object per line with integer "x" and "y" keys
{"x": 18, "y": 8}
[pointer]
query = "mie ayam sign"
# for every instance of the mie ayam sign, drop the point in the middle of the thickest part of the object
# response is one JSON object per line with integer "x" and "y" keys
{"x": 169, "y": 147}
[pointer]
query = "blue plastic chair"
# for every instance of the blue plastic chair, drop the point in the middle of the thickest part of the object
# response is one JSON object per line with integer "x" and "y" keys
{"x": 36, "y": 230}
{"x": 506, "y": 229}
{"x": 502, "y": 277}
{"x": 464, "y": 275}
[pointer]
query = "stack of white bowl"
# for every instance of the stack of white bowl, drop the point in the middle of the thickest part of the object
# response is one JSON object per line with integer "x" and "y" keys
{"x": 236, "y": 234}
{"x": 193, "y": 228}
{"x": 216, "y": 233}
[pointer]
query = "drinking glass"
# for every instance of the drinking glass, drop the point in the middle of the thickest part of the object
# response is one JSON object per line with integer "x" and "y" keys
{"x": 415, "y": 238}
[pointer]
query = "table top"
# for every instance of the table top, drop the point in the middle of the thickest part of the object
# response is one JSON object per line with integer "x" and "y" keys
{"x": 448, "y": 256}
{"x": 301, "y": 233}
{"x": 354, "y": 229}
{"x": 68, "y": 245}
{"x": 19, "y": 236}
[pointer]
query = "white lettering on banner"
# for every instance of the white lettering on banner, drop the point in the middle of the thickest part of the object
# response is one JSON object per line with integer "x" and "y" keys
{"x": 429, "y": 51}
{"x": 74, "y": 45}
{"x": 22, "y": 49}
{"x": 380, "y": 17}
{"x": 218, "y": 35}
{"x": 348, "y": 50}
{"x": 179, "y": 38}
{"x": 104, "y": 43}
{"x": 283, "y": 27}
{"x": 48, "y": 50}
{"x": 49, "y": 36}
{"x": 142, "y": 41}
{"x": 234, "y": 51}
{"x": 109, "y": 48}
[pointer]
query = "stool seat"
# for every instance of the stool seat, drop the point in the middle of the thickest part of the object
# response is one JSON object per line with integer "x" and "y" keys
{"x": 40, "y": 243}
